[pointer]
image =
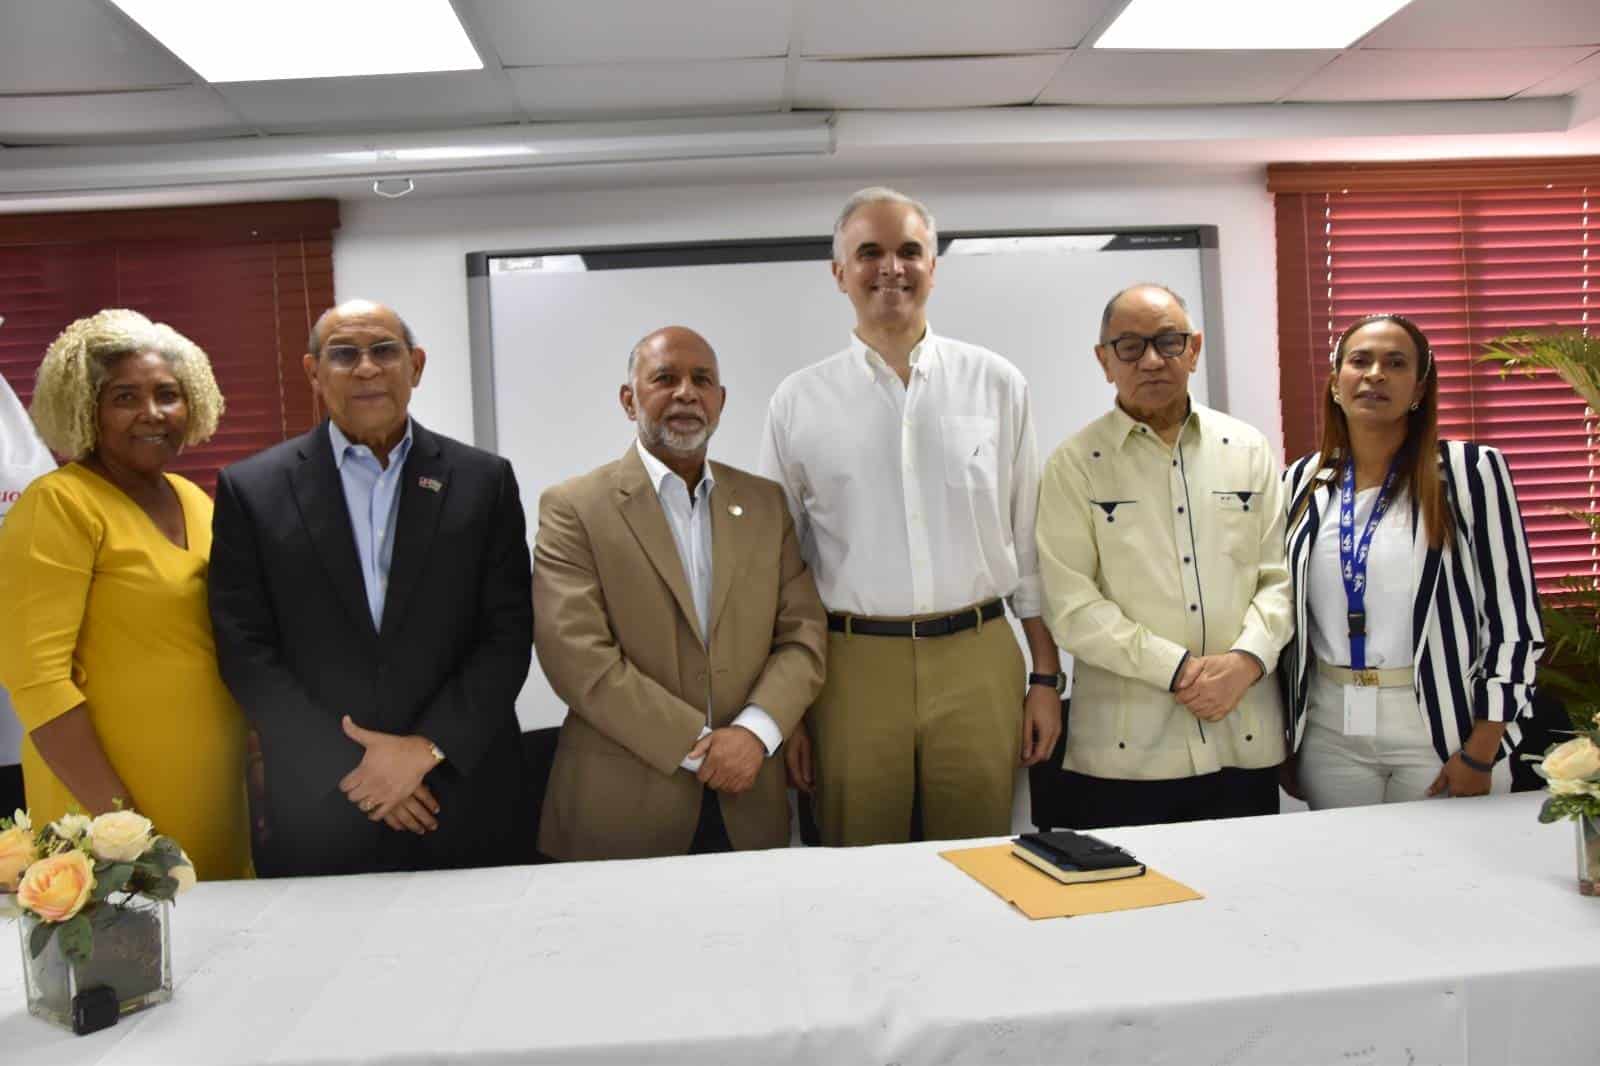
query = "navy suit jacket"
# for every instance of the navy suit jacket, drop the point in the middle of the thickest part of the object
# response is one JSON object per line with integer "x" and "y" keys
{"x": 297, "y": 647}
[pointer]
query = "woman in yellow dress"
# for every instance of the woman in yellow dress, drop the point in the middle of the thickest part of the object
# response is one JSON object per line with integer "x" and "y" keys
{"x": 105, "y": 642}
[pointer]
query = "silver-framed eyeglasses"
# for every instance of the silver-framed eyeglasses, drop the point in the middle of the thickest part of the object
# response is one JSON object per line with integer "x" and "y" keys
{"x": 348, "y": 356}
{"x": 1130, "y": 347}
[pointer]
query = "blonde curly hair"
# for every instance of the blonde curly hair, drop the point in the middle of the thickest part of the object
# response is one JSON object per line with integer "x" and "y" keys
{"x": 66, "y": 396}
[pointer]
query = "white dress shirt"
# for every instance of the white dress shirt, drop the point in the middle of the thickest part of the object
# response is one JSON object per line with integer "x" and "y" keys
{"x": 910, "y": 498}
{"x": 689, "y": 518}
{"x": 1390, "y": 586}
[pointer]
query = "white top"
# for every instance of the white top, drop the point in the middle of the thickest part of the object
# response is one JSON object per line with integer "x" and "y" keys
{"x": 23, "y": 457}
{"x": 910, "y": 498}
{"x": 690, "y": 522}
{"x": 1390, "y": 586}
{"x": 1151, "y": 553}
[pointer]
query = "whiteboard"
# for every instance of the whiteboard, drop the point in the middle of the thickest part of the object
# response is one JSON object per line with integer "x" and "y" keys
{"x": 551, "y": 332}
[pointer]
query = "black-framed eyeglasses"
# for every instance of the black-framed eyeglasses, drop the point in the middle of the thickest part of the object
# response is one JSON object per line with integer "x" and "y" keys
{"x": 1129, "y": 348}
{"x": 348, "y": 356}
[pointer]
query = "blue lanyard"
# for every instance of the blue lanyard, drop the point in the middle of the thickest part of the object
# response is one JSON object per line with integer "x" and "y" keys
{"x": 1353, "y": 554}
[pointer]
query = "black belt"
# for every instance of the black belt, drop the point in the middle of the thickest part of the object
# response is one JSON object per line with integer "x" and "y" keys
{"x": 922, "y": 627}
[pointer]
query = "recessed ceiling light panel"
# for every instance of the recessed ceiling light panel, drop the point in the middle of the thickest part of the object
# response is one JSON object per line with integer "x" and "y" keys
{"x": 1243, "y": 25}
{"x": 274, "y": 40}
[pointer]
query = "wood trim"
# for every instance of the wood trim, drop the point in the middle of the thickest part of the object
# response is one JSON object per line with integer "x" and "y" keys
{"x": 264, "y": 221}
{"x": 1433, "y": 175}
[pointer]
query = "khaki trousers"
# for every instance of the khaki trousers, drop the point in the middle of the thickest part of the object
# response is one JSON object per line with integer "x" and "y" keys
{"x": 938, "y": 718}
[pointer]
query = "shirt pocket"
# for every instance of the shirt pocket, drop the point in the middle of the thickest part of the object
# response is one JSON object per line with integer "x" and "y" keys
{"x": 971, "y": 452}
{"x": 1237, "y": 515}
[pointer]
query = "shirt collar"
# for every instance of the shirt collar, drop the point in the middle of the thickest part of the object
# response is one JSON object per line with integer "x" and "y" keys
{"x": 342, "y": 445}
{"x": 924, "y": 355}
{"x": 659, "y": 472}
{"x": 1124, "y": 425}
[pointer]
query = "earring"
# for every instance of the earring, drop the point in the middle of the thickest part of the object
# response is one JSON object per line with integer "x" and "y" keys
{"x": 1336, "y": 399}
{"x": 1416, "y": 406}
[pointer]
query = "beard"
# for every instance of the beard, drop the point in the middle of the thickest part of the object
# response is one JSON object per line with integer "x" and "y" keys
{"x": 659, "y": 435}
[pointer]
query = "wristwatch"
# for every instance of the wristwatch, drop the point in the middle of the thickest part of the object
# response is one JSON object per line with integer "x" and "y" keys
{"x": 1057, "y": 681}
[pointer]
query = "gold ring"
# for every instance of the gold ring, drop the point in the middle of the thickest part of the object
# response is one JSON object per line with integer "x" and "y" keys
{"x": 367, "y": 805}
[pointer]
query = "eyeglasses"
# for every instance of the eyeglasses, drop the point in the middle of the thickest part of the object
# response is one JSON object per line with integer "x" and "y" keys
{"x": 348, "y": 356}
{"x": 1129, "y": 348}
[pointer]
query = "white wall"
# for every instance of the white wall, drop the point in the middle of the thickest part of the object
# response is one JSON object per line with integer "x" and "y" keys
{"x": 411, "y": 253}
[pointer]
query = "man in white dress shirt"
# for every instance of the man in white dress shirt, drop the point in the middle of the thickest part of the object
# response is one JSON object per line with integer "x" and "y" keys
{"x": 909, "y": 464}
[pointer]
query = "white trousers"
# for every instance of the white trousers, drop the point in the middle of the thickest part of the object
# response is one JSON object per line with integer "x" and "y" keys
{"x": 1395, "y": 766}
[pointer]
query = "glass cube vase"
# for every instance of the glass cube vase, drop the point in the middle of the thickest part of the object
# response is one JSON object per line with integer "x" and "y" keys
{"x": 132, "y": 955}
{"x": 1588, "y": 854}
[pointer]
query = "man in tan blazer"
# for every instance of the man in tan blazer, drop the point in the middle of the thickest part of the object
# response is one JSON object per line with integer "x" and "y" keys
{"x": 668, "y": 742}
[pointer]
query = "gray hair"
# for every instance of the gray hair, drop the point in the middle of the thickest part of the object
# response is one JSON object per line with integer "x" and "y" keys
{"x": 1111, "y": 304}
{"x": 881, "y": 194}
{"x": 66, "y": 397}
{"x": 314, "y": 342}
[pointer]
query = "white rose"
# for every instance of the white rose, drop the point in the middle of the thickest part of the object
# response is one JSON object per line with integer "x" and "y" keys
{"x": 183, "y": 873}
{"x": 20, "y": 819}
{"x": 119, "y": 836}
{"x": 71, "y": 826}
{"x": 1576, "y": 760}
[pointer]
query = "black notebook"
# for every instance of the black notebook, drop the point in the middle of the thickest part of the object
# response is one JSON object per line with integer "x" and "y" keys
{"x": 1074, "y": 858}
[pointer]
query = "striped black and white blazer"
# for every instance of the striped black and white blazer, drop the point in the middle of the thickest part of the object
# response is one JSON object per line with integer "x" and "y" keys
{"x": 1475, "y": 612}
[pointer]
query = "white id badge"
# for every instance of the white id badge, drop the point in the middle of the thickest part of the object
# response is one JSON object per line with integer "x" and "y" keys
{"x": 1360, "y": 710}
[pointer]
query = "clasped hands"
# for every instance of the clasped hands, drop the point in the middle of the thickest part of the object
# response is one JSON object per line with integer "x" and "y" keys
{"x": 387, "y": 785}
{"x": 1211, "y": 686}
{"x": 732, "y": 756}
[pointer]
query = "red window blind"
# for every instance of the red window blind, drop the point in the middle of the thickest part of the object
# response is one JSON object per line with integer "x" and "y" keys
{"x": 1468, "y": 251}
{"x": 243, "y": 281}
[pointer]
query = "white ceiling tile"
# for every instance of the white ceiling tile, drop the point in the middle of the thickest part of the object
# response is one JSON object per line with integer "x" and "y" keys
{"x": 111, "y": 117}
{"x": 78, "y": 46}
{"x": 1371, "y": 74}
{"x": 396, "y": 101}
{"x": 1489, "y": 24}
{"x": 1569, "y": 80}
{"x": 529, "y": 33}
{"x": 1118, "y": 78}
{"x": 621, "y": 90}
{"x": 922, "y": 83}
{"x": 941, "y": 27}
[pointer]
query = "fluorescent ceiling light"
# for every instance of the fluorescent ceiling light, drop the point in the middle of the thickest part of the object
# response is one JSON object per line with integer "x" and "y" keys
{"x": 1244, "y": 25}
{"x": 271, "y": 40}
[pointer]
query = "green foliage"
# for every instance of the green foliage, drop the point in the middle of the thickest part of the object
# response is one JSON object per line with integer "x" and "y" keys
{"x": 76, "y": 937}
{"x": 1571, "y": 353}
{"x": 1557, "y": 808}
{"x": 109, "y": 878}
{"x": 1571, "y": 617}
{"x": 39, "y": 939}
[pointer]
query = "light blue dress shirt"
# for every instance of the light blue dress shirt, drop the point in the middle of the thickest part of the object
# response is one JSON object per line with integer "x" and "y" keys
{"x": 689, "y": 518}
{"x": 372, "y": 495}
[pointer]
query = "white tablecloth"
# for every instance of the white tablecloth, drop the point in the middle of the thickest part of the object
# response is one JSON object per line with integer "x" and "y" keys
{"x": 1448, "y": 931}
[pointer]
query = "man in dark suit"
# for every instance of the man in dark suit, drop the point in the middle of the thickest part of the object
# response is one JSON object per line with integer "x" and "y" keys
{"x": 371, "y": 596}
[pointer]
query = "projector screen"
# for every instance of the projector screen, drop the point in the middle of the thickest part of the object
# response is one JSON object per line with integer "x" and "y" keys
{"x": 551, "y": 332}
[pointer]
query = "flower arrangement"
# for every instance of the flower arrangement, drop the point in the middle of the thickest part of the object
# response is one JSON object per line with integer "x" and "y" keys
{"x": 1572, "y": 773}
{"x": 69, "y": 874}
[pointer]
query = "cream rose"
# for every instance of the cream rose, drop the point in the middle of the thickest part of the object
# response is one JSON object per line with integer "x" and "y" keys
{"x": 1576, "y": 760}
{"x": 184, "y": 874}
{"x": 71, "y": 826}
{"x": 119, "y": 836}
{"x": 56, "y": 888}
{"x": 16, "y": 852}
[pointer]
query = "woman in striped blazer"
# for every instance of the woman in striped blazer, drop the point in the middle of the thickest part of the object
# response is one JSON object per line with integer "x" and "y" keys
{"x": 1416, "y": 634}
